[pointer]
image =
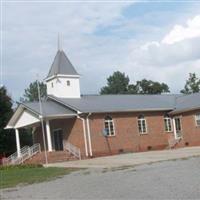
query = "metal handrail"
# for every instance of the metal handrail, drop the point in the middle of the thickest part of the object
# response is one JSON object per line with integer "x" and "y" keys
{"x": 73, "y": 150}
{"x": 26, "y": 153}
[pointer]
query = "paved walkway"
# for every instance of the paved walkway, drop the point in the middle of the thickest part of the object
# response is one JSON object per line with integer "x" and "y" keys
{"x": 132, "y": 159}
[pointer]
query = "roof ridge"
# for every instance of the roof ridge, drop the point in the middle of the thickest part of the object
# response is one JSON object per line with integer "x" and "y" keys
{"x": 130, "y": 95}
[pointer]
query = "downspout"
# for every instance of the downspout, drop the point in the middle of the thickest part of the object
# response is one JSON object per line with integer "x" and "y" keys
{"x": 89, "y": 135}
{"x": 84, "y": 133}
{"x": 174, "y": 127}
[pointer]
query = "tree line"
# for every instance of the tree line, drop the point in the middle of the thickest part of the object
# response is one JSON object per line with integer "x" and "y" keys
{"x": 117, "y": 83}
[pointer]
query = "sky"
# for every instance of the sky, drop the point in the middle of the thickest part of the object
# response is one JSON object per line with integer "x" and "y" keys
{"x": 153, "y": 40}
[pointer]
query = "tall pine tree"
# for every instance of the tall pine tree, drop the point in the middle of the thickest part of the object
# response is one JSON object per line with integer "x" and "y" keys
{"x": 7, "y": 137}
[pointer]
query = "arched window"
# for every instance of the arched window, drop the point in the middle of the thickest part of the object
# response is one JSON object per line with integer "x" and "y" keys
{"x": 142, "y": 126}
{"x": 109, "y": 126}
{"x": 168, "y": 123}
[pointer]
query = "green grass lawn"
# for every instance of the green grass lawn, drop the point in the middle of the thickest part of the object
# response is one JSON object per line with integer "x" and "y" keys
{"x": 12, "y": 176}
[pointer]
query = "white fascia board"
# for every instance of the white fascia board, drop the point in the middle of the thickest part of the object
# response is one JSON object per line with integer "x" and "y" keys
{"x": 8, "y": 127}
{"x": 61, "y": 75}
{"x": 14, "y": 117}
{"x": 17, "y": 115}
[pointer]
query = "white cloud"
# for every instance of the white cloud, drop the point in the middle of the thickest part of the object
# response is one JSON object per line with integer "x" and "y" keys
{"x": 31, "y": 32}
{"x": 173, "y": 49}
{"x": 170, "y": 60}
{"x": 179, "y": 32}
{"x": 158, "y": 54}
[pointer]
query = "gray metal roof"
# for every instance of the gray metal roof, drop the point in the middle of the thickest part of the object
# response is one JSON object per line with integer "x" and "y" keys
{"x": 116, "y": 103}
{"x": 49, "y": 108}
{"x": 61, "y": 65}
{"x": 187, "y": 102}
{"x": 119, "y": 103}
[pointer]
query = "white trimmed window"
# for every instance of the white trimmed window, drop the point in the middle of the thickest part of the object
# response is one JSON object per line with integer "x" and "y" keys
{"x": 109, "y": 126}
{"x": 142, "y": 125}
{"x": 168, "y": 123}
{"x": 197, "y": 118}
{"x": 178, "y": 124}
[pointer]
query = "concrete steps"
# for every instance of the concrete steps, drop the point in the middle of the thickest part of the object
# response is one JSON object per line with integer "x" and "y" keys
{"x": 53, "y": 157}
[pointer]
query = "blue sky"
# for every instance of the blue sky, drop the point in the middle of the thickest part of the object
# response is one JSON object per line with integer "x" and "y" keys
{"x": 153, "y": 40}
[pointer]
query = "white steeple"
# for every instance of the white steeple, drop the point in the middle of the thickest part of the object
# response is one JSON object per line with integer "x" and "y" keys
{"x": 62, "y": 80}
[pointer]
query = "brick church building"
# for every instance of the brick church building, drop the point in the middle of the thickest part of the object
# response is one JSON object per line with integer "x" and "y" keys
{"x": 96, "y": 125}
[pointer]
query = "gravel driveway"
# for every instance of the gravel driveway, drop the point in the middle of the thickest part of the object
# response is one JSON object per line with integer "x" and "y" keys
{"x": 178, "y": 179}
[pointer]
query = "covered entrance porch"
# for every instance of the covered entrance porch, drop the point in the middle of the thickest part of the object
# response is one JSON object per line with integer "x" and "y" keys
{"x": 45, "y": 138}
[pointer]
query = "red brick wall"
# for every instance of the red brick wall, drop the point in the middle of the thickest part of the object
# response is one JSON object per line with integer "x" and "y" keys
{"x": 38, "y": 137}
{"x": 72, "y": 129}
{"x": 127, "y": 137}
{"x": 190, "y": 132}
{"x": 72, "y": 132}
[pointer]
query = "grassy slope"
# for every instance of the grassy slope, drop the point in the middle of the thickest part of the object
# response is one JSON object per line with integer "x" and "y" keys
{"x": 14, "y": 176}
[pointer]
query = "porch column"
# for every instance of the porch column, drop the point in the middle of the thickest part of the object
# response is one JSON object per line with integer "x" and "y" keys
{"x": 48, "y": 132}
{"x": 17, "y": 143}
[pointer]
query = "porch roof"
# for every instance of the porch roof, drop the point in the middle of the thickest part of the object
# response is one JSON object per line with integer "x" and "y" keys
{"x": 49, "y": 109}
{"x": 28, "y": 114}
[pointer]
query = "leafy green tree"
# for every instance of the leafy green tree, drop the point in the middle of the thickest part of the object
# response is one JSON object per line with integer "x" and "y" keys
{"x": 192, "y": 84}
{"x": 133, "y": 89}
{"x": 7, "y": 137}
{"x": 150, "y": 87}
{"x": 116, "y": 84}
{"x": 31, "y": 93}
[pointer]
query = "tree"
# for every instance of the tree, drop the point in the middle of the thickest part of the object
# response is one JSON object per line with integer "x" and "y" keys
{"x": 116, "y": 84}
{"x": 192, "y": 85}
{"x": 7, "y": 137}
{"x": 133, "y": 89}
{"x": 150, "y": 87}
{"x": 31, "y": 93}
